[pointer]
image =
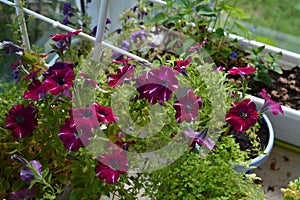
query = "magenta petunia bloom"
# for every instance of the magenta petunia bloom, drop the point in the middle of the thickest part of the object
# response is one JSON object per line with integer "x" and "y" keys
{"x": 123, "y": 61}
{"x": 60, "y": 80}
{"x": 123, "y": 74}
{"x": 180, "y": 65}
{"x": 196, "y": 47}
{"x": 200, "y": 138}
{"x": 269, "y": 104}
{"x": 105, "y": 114}
{"x": 58, "y": 66}
{"x": 74, "y": 137}
{"x": 242, "y": 70}
{"x": 187, "y": 107}
{"x": 36, "y": 90}
{"x": 24, "y": 194}
{"x": 85, "y": 118}
{"x": 242, "y": 115}
{"x": 121, "y": 141}
{"x": 26, "y": 174}
{"x": 21, "y": 120}
{"x": 110, "y": 166}
{"x": 158, "y": 85}
{"x": 64, "y": 36}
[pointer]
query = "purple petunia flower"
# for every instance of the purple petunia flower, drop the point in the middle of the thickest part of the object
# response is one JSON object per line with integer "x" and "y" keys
{"x": 141, "y": 34}
{"x": 21, "y": 120}
{"x": 59, "y": 81}
{"x": 196, "y": 47}
{"x": 64, "y": 36}
{"x": 68, "y": 12}
{"x": 233, "y": 54}
{"x": 124, "y": 74}
{"x": 125, "y": 46}
{"x": 180, "y": 65}
{"x": 158, "y": 85}
{"x": 121, "y": 141}
{"x": 242, "y": 115}
{"x": 200, "y": 138}
{"x": 57, "y": 66}
{"x": 24, "y": 194}
{"x": 85, "y": 118}
{"x": 74, "y": 137}
{"x": 27, "y": 174}
{"x": 36, "y": 90}
{"x": 105, "y": 114}
{"x": 110, "y": 166}
{"x": 187, "y": 107}
{"x": 10, "y": 48}
{"x": 269, "y": 104}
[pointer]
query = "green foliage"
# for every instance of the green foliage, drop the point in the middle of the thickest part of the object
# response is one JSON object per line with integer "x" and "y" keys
{"x": 292, "y": 192}
{"x": 211, "y": 177}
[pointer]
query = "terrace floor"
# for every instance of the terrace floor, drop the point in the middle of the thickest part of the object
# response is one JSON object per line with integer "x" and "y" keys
{"x": 282, "y": 166}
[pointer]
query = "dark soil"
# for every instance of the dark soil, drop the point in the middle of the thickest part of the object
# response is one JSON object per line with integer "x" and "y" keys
{"x": 285, "y": 88}
{"x": 245, "y": 142}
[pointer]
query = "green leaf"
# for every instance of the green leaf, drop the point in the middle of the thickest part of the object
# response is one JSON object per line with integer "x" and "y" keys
{"x": 158, "y": 17}
{"x": 265, "y": 40}
{"x": 18, "y": 185}
{"x": 242, "y": 28}
{"x": 259, "y": 50}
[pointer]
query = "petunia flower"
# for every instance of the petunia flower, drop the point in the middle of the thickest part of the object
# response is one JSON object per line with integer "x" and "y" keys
{"x": 158, "y": 85}
{"x": 21, "y": 120}
{"x": 125, "y": 46}
{"x": 110, "y": 166}
{"x": 269, "y": 104}
{"x": 74, "y": 137}
{"x": 27, "y": 174}
{"x": 59, "y": 80}
{"x": 67, "y": 12}
{"x": 57, "y": 66}
{"x": 104, "y": 114}
{"x": 141, "y": 34}
{"x": 121, "y": 141}
{"x": 36, "y": 90}
{"x": 242, "y": 115}
{"x": 180, "y": 65}
{"x": 32, "y": 75}
{"x": 242, "y": 70}
{"x": 85, "y": 118}
{"x": 196, "y": 47}
{"x": 124, "y": 74}
{"x": 10, "y": 48}
{"x": 187, "y": 107}
{"x": 200, "y": 138}
{"x": 64, "y": 36}
{"x": 24, "y": 194}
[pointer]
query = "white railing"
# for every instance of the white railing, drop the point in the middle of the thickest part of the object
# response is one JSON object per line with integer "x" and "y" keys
{"x": 289, "y": 59}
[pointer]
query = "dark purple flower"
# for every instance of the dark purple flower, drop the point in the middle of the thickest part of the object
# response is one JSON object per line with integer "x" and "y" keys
{"x": 68, "y": 12}
{"x": 23, "y": 194}
{"x": 105, "y": 114}
{"x": 124, "y": 74}
{"x": 200, "y": 138}
{"x": 57, "y": 66}
{"x": 21, "y": 120}
{"x": 85, "y": 118}
{"x": 10, "y": 48}
{"x": 242, "y": 115}
{"x": 32, "y": 75}
{"x": 17, "y": 63}
{"x": 187, "y": 107}
{"x": 141, "y": 34}
{"x": 16, "y": 74}
{"x": 242, "y": 70}
{"x": 125, "y": 46}
{"x": 27, "y": 174}
{"x": 36, "y": 90}
{"x": 110, "y": 166}
{"x": 60, "y": 80}
{"x": 158, "y": 85}
{"x": 74, "y": 137}
{"x": 269, "y": 104}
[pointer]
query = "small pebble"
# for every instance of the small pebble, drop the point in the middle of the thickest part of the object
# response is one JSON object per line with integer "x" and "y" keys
{"x": 282, "y": 80}
{"x": 292, "y": 82}
{"x": 292, "y": 87}
{"x": 292, "y": 76}
{"x": 283, "y": 91}
{"x": 285, "y": 97}
{"x": 275, "y": 94}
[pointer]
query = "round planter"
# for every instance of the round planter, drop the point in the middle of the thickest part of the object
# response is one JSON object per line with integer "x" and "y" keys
{"x": 256, "y": 162}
